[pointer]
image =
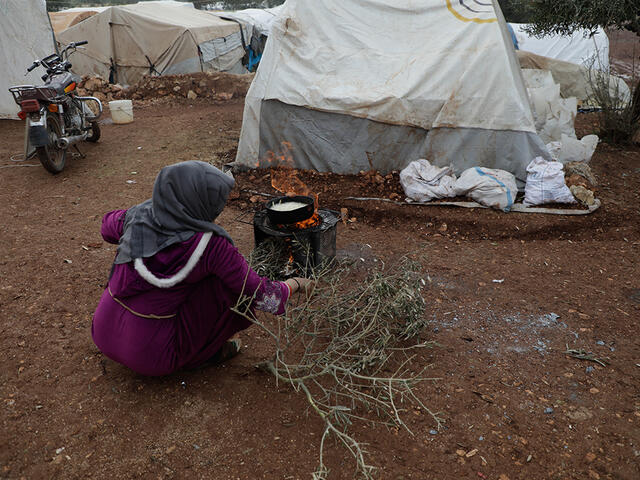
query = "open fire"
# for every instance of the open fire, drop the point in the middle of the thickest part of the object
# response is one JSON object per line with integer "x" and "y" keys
{"x": 308, "y": 242}
{"x": 284, "y": 178}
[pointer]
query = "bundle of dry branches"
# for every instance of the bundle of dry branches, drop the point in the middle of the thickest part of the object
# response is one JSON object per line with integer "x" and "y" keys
{"x": 338, "y": 346}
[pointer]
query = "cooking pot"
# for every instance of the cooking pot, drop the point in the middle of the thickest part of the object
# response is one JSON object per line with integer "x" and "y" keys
{"x": 288, "y": 217}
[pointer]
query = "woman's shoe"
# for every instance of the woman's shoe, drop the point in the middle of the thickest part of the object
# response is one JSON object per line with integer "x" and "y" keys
{"x": 227, "y": 351}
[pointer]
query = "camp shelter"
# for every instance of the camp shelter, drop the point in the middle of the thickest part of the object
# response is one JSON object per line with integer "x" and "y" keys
{"x": 355, "y": 86}
{"x": 574, "y": 80}
{"x": 62, "y": 20}
{"x": 259, "y": 18}
{"x": 582, "y": 47}
{"x": 129, "y": 41}
{"x": 25, "y": 36}
{"x": 258, "y": 21}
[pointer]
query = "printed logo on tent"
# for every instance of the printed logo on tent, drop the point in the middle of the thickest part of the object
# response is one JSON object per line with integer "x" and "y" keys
{"x": 478, "y": 11}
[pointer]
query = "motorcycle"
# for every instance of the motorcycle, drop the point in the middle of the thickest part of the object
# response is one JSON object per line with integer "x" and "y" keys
{"x": 56, "y": 117}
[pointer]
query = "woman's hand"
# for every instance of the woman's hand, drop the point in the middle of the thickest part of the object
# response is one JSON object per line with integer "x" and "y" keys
{"x": 301, "y": 285}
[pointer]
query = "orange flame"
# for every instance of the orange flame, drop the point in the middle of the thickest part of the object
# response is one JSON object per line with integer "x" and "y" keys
{"x": 312, "y": 221}
{"x": 284, "y": 178}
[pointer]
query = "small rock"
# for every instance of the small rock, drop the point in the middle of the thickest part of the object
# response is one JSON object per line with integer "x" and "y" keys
{"x": 460, "y": 453}
{"x": 176, "y": 88}
{"x": 548, "y": 410}
{"x": 503, "y": 477}
{"x": 471, "y": 453}
{"x": 589, "y": 369}
{"x": 594, "y": 390}
{"x": 433, "y": 432}
{"x": 590, "y": 457}
{"x": 580, "y": 414}
{"x": 600, "y": 342}
{"x": 593, "y": 474}
{"x": 191, "y": 95}
{"x": 583, "y": 195}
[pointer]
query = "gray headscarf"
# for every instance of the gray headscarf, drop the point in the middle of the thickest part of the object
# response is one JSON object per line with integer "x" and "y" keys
{"x": 186, "y": 198}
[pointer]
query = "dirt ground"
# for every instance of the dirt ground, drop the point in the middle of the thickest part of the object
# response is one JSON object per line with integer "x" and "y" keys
{"x": 507, "y": 295}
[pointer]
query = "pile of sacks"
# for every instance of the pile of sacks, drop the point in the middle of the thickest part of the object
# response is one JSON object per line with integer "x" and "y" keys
{"x": 555, "y": 117}
{"x": 547, "y": 182}
{"x": 565, "y": 179}
{"x": 423, "y": 182}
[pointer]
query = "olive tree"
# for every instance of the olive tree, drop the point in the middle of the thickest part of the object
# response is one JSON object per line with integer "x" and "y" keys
{"x": 566, "y": 16}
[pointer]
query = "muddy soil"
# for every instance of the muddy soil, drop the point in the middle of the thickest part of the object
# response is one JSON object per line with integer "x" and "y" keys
{"x": 507, "y": 296}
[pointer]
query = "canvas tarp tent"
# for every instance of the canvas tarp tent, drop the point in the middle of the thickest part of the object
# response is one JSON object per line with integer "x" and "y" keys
{"x": 581, "y": 47}
{"x": 25, "y": 36}
{"x": 129, "y": 41}
{"x": 62, "y": 20}
{"x": 357, "y": 85}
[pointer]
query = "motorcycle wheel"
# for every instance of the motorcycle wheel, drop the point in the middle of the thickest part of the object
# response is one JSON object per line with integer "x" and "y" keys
{"x": 95, "y": 133}
{"x": 51, "y": 157}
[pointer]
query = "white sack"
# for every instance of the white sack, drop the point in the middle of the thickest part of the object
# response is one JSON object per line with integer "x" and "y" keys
{"x": 554, "y": 116}
{"x": 545, "y": 183}
{"x": 422, "y": 182}
{"x": 536, "y": 77}
{"x": 570, "y": 149}
{"x": 489, "y": 187}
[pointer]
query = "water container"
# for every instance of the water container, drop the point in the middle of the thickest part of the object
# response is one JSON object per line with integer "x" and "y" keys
{"x": 121, "y": 111}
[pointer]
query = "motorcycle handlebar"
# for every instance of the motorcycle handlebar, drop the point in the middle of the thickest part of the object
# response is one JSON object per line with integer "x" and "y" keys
{"x": 82, "y": 42}
{"x": 35, "y": 64}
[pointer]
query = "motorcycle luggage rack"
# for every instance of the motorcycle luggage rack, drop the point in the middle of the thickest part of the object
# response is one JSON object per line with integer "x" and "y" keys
{"x": 19, "y": 92}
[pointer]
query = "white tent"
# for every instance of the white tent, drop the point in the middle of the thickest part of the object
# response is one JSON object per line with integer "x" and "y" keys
{"x": 581, "y": 47}
{"x": 260, "y": 19}
{"x": 157, "y": 38}
{"x": 25, "y": 36}
{"x": 357, "y": 85}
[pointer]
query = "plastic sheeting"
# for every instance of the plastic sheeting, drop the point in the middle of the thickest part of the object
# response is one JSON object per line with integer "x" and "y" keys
{"x": 431, "y": 66}
{"x": 25, "y": 36}
{"x": 572, "y": 78}
{"x": 260, "y": 19}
